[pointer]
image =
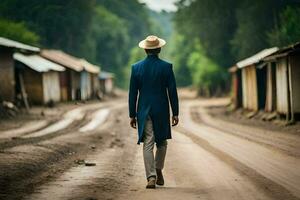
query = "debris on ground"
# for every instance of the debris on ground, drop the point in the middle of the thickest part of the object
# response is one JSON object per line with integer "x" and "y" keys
{"x": 251, "y": 114}
{"x": 90, "y": 164}
{"x": 79, "y": 161}
{"x": 83, "y": 162}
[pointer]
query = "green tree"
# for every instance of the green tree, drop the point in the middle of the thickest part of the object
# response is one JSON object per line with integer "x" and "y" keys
{"x": 212, "y": 22}
{"x": 134, "y": 13}
{"x": 180, "y": 51}
{"x": 287, "y": 31}
{"x": 110, "y": 38}
{"x": 254, "y": 18}
{"x": 60, "y": 24}
{"x": 207, "y": 76}
{"x": 18, "y": 32}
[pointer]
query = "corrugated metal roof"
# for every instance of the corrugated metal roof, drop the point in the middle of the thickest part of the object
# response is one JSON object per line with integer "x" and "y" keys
{"x": 284, "y": 51}
{"x": 37, "y": 63}
{"x": 63, "y": 59}
{"x": 90, "y": 67}
{"x": 105, "y": 75}
{"x": 257, "y": 57}
{"x": 18, "y": 45}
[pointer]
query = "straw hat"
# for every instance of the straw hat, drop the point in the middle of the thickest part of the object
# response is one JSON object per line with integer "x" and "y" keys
{"x": 152, "y": 42}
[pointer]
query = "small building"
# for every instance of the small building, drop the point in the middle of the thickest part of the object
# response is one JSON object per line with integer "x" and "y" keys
{"x": 39, "y": 78}
{"x": 254, "y": 80}
{"x": 106, "y": 83}
{"x": 88, "y": 85}
{"x": 70, "y": 80}
{"x": 236, "y": 87}
{"x": 284, "y": 67}
{"x": 7, "y": 70}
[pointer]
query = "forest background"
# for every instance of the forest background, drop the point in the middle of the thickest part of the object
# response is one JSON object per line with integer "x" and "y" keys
{"x": 204, "y": 37}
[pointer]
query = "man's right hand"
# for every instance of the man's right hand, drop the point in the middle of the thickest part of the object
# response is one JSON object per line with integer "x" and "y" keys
{"x": 133, "y": 122}
{"x": 175, "y": 120}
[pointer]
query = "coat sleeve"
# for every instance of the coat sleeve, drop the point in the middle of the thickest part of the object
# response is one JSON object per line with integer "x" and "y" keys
{"x": 172, "y": 91}
{"x": 132, "y": 97}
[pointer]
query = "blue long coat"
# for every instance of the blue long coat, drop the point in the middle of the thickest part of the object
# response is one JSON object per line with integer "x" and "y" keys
{"x": 153, "y": 85}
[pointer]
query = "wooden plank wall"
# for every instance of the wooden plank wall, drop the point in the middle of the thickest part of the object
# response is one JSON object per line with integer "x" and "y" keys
{"x": 249, "y": 81}
{"x": 51, "y": 86}
{"x": 75, "y": 85}
{"x": 7, "y": 75}
{"x": 33, "y": 85}
{"x": 65, "y": 86}
{"x": 295, "y": 81}
{"x": 282, "y": 86}
{"x": 270, "y": 88}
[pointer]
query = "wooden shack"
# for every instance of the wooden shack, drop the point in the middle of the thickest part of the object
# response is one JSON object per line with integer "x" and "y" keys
{"x": 87, "y": 85}
{"x": 39, "y": 77}
{"x": 70, "y": 79}
{"x": 7, "y": 70}
{"x": 287, "y": 76}
{"x": 106, "y": 80}
{"x": 254, "y": 80}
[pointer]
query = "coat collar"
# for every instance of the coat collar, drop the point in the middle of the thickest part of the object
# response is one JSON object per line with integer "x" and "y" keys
{"x": 152, "y": 56}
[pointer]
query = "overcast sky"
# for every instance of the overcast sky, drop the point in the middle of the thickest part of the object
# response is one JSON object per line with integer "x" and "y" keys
{"x": 159, "y": 5}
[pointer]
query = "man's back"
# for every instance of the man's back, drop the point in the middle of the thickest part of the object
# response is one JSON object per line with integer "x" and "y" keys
{"x": 152, "y": 76}
{"x": 152, "y": 82}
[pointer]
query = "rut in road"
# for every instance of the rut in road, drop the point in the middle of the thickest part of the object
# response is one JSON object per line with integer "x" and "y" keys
{"x": 27, "y": 162}
{"x": 73, "y": 120}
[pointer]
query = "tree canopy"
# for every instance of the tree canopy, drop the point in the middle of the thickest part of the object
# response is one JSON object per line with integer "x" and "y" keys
{"x": 204, "y": 37}
{"x": 228, "y": 31}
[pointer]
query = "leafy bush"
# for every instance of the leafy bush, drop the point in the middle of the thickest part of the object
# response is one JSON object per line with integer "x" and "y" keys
{"x": 17, "y": 31}
{"x": 207, "y": 76}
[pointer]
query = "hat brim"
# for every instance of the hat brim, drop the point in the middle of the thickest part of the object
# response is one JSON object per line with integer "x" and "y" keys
{"x": 142, "y": 44}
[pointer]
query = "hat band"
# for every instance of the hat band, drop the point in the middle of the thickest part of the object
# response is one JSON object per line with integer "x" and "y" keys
{"x": 152, "y": 43}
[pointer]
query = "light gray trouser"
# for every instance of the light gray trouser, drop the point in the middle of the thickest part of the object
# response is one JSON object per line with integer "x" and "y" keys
{"x": 152, "y": 163}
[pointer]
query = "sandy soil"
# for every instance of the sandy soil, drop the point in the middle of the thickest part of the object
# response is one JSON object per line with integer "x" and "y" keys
{"x": 206, "y": 159}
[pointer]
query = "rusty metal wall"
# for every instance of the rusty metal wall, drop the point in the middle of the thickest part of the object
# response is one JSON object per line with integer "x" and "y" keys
{"x": 65, "y": 86}
{"x": 95, "y": 84}
{"x": 75, "y": 85}
{"x": 7, "y": 77}
{"x": 282, "y": 85}
{"x": 33, "y": 85}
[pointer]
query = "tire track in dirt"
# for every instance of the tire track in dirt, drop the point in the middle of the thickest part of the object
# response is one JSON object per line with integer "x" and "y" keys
{"x": 288, "y": 144}
{"x": 71, "y": 128}
{"x": 107, "y": 178}
{"x": 274, "y": 172}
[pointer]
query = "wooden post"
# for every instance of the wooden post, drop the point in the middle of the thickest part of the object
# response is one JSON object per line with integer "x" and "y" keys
{"x": 23, "y": 92}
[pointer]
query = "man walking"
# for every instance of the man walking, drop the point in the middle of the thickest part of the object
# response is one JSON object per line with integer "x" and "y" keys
{"x": 152, "y": 87}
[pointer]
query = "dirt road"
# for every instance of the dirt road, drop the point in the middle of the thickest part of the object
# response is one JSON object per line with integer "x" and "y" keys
{"x": 206, "y": 159}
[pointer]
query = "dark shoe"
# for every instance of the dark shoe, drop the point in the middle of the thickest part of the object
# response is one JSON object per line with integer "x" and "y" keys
{"x": 160, "y": 178}
{"x": 151, "y": 183}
